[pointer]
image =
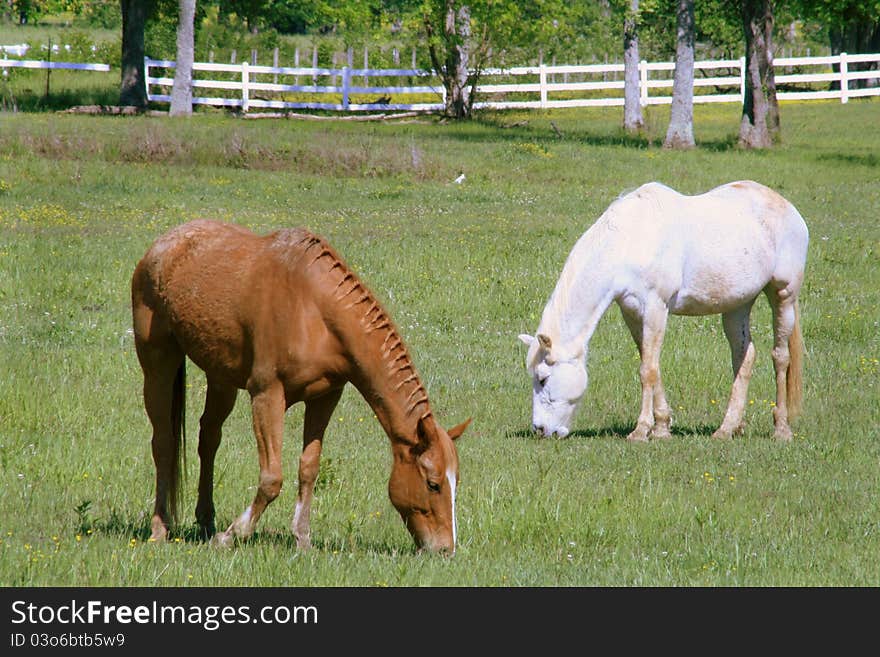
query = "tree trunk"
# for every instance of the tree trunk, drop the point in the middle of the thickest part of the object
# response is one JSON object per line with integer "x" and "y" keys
{"x": 458, "y": 32}
{"x": 681, "y": 118}
{"x": 133, "y": 90}
{"x": 759, "y": 127}
{"x": 632, "y": 107}
{"x": 181, "y": 92}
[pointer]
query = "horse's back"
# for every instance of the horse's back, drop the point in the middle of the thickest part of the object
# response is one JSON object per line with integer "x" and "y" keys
{"x": 208, "y": 284}
{"x": 714, "y": 251}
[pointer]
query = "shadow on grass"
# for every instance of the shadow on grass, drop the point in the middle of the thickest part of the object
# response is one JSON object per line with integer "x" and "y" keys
{"x": 494, "y": 128}
{"x": 870, "y": 160}
{"x": 139, "y": 530}
{"x": 614, "y": 430}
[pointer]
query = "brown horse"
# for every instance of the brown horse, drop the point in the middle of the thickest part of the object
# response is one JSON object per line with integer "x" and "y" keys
{"x": 283, "y": 317}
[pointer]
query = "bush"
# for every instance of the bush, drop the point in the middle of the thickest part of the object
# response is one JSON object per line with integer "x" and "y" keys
{"x": 105, "y": 14}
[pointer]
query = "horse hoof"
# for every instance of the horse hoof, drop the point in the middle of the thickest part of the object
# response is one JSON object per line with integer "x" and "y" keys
{"x": 722, "y": 435}
{"x": 206, "y": 532}
{"x": 663, "y": 434}
{"x": 223, "y": 540}
{"x": 637, "y": 437}
{"x": 159, "y": 532}
{"x": 783, "y": 436}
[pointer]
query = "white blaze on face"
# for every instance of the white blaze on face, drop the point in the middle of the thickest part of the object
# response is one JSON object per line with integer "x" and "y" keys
{"x": 450, "y": 477}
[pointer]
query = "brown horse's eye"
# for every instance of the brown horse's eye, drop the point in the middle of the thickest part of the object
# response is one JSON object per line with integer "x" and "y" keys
{"x": 433, "y": 486}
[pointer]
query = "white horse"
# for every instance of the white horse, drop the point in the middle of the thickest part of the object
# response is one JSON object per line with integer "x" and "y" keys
{"x": 655, "y": 251}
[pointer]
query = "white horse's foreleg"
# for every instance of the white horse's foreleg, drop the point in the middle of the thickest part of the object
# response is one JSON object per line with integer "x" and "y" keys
{"x": 742, "y": 356}
{"x": 783, "y": 324}
{"x": 648, "y": 332}
{"x": 662, "y": 414}
{"x": 317, "y": 416}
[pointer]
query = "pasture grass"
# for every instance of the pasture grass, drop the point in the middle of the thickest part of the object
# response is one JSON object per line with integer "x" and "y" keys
{"x": 462, "y": 269}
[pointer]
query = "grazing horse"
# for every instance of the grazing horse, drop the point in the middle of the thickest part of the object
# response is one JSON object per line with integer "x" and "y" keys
{"x": 654, "y": 252}
{"x": 283, "y": 317}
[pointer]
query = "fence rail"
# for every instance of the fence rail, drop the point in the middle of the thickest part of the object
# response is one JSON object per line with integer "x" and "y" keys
{"x": 248, "y": 88}
{"x": 28, "y": 63}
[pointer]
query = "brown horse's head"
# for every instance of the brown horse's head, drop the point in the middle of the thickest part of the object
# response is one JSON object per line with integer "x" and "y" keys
{"x": 423, "y": 482}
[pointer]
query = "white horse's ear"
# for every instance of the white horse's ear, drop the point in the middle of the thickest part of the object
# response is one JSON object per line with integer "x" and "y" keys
{"x": 545, "y": 341}
{"x": 526, "y": 339}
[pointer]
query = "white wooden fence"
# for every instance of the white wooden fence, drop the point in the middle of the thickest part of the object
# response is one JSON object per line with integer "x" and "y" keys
{"x": 250, "y": 87}
{"x": 29, "y": 63}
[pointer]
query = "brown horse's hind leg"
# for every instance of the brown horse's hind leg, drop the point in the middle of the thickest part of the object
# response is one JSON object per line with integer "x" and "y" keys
{"x": 219, "y": 402}
{"x": 160, "y": 364}
{"x": 162, "y": 361}
{"x": 742, "y": 355}
{"x": 268, "y": 406}
{"x": 318, "y": 412}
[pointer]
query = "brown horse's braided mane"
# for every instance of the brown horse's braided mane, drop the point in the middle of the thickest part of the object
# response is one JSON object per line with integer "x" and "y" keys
{"x": 373, "y": 318}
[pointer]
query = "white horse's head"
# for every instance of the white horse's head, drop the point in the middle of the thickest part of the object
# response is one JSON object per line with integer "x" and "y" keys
{"x": 559, "y": 381}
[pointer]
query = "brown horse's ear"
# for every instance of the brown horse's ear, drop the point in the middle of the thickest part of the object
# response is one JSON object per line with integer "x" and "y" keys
{"x": 456, "y": 431}
{"x": 426, "y": 433}
{"x": 545, "y": 341}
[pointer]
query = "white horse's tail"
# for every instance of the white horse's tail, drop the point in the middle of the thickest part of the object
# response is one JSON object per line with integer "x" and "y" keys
{"x": 795, "y": 374}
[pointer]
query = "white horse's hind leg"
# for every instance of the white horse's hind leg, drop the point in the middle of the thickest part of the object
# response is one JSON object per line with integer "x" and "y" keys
{"x": 742, "y": 355}
{"x": 784, "y": 317}
{"x": 648, "y": 331}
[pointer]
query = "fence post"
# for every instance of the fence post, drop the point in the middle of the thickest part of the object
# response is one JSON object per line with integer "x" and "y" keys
{"x": 146, "y": 77}
{"x": 366, "y": 65}
{"x": 315, "y": 65}
{"x": 742, "y": 80}
{"x": 643, "y": 83}
{"x": 245, "y": 92}
{"x": 844, "y": 83}
{"x": 346, "y": 85}
{"x": 542, "y": 81}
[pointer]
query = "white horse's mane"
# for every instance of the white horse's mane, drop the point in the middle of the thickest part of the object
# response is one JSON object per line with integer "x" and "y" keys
{"x": 590, "y": 245}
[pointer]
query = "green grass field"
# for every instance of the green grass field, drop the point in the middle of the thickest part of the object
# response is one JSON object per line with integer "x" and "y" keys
{"x": 462, "y": 269}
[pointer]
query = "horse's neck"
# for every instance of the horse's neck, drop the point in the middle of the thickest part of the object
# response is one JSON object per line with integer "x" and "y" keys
{"x": 583, "y": 292}
{"x": 386, "y": 377}
{"x": 380, "y": 368}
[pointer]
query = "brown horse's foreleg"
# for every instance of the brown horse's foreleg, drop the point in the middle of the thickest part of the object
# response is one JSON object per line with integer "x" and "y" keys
{"x": 742, "y": 356}
{"x": 647, "y": 331}
{"x": 219, "y": 402}
{"x": 268, "y": 406}
{"x": 317, "y": 416}
{"x": 784, "y": 318}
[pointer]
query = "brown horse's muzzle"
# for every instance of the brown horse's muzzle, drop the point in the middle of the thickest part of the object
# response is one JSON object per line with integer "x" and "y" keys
{"x": 427, "y": 540}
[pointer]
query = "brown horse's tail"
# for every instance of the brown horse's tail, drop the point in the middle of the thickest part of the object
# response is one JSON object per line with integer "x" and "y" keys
{"x": 795, "y": 374}
{"x": 178, "y": 430}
